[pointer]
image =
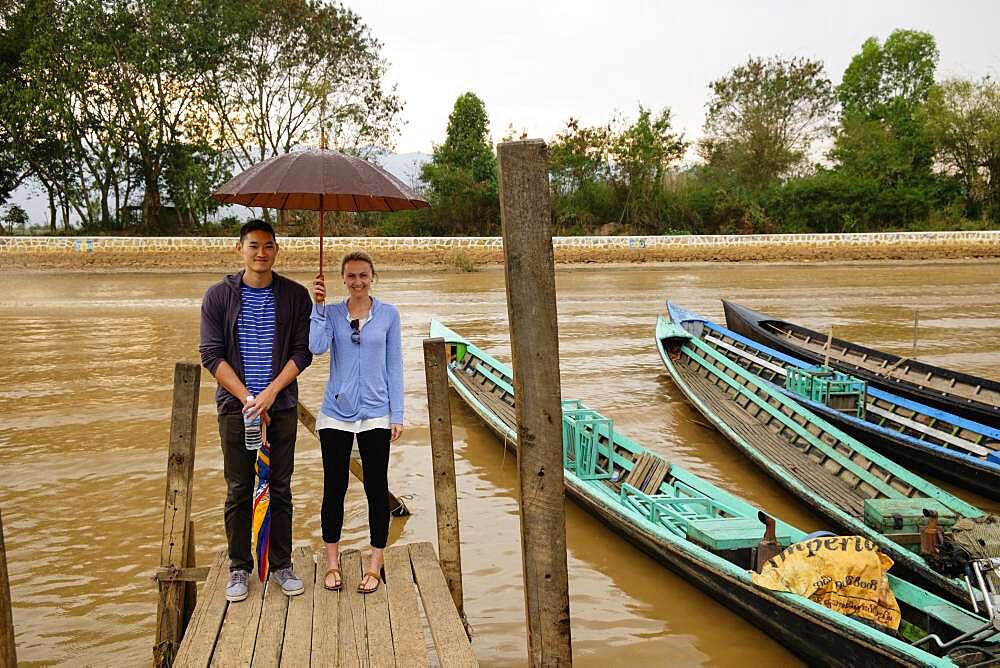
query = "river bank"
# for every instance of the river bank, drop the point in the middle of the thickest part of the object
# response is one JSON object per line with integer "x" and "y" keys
{"x": 467, "y": 253}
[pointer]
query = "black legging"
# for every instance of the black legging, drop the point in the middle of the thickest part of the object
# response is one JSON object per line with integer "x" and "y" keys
{"x": 374, "y": 447}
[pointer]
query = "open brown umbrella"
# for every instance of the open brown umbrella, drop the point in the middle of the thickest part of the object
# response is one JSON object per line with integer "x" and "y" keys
{"x": 318, "y": 179}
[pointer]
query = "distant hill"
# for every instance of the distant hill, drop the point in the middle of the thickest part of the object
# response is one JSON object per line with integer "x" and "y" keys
{"x": 404, "y": 166}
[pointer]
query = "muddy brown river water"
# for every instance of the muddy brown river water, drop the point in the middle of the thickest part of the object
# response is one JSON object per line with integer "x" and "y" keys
{"x": 85, "y": 391}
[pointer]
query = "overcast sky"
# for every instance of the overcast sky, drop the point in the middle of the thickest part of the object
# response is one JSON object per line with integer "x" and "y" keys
{"x": 536, "y": 63}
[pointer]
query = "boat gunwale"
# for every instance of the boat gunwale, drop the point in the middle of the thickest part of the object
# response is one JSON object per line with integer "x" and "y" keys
{"x": 681, "y": 315}
{"x": 762, "y": 323}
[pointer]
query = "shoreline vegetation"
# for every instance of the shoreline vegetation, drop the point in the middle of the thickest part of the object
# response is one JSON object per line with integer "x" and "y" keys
{"x": 467, "y": 259}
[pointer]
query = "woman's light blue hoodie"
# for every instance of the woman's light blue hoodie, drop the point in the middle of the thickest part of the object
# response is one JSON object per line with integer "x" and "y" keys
{"x": 366, "y": 378}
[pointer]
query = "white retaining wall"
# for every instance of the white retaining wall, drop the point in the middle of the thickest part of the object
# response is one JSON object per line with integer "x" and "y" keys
{"x": 164, "y": 244}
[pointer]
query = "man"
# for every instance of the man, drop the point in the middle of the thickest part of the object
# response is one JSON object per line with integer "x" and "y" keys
{"x": 255, "y": 341}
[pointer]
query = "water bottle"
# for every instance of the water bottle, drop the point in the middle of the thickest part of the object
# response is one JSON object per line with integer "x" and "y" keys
{"x": 252, "y": 437}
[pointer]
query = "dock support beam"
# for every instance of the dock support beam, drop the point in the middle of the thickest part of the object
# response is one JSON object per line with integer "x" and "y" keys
{"x": 8, "y": 650}
{"x": 529, "y": 268}
{"x": 443, "y": 457}
{"x": 176, "y": 542}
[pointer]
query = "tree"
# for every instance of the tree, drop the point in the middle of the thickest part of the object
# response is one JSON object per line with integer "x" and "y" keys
{"x": 763, "y": 118}
{"x": 15, "y": 218}
{"x": 642, "y": 152}
{"x": 580, "y": 177}
{"x": 881, "y": 135}
{"x": 962, "y": 119}
{"x": 266, "y": 99}
{"x": 462, "y": 177}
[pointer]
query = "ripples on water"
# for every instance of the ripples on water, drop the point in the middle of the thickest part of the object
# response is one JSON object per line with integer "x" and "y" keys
{"x": 85, "y": 400}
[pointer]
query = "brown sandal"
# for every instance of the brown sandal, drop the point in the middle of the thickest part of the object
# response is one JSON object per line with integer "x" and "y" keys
{"x": 369, "y": 574}
{"x": 340, "y": 581}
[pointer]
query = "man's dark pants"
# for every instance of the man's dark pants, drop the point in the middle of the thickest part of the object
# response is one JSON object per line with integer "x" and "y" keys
{"x": 238, "y": 465}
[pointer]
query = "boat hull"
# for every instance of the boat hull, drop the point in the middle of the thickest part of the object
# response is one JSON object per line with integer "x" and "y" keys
{"x": 749, "y": 323}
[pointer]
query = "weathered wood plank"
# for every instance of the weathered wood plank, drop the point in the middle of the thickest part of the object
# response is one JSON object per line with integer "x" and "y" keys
{"x": 443, "y": 459}
{"x": 206, "y": 620}
{"x": 380, "y": 653}
{"x": 452, "y": 645}
{"x": 297, "y": 646}
{"x": 404, "y": 610}
{"x": 271, "y": 631}
{"x": 8, "y": 649}
{"x": 353, "y": 643}
{"x": 239, "y": 629}
{"x": 177, "y": 509}
{"x": 326, "y": 627}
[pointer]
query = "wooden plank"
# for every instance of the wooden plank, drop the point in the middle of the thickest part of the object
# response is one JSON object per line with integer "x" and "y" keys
{"x": 239, "y": 629}
{"x": 206, "y": 620}
{"x": 177, "y": 509}
{"x": 443, "y": 460}
{"x": 404, "y": 613}
{"x": 351, "y": 619}
{"x": 452, "y": 645}
{"x": 325, "y": 627}
{"x": 271, "y": 631}
{"x": 930, "y": 431}
{"x": 8, "y": 648}
{"x": 380, "y": 653}
{"x": 191, "y": 588}
{"x": 297, "y": 645}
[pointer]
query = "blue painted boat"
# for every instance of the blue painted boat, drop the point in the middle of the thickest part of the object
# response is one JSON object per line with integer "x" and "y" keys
{"x": 920, "y": 437}
{"x": 968, "y": 396}
{"x": 704, "y": 533}
{"x": 855, "y": 488}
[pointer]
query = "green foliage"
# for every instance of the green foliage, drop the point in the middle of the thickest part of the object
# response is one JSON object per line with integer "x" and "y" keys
{"x": 962, "y": 119}
{"x": 461, "y": 179}
{"x": 295, "y": 57}
{"x": 612, "y": 174}
{"x": 762, "y": 119}
{"x": 882, "y": 136}
{"x": 16, "y": 219}
{"x": 114, "y": 100}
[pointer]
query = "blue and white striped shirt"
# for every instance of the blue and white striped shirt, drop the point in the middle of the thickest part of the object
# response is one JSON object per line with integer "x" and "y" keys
{"x": 255, "y": 327}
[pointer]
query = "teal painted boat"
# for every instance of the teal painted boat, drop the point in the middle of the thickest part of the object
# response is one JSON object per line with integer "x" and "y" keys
{"x": 855, "y": 488}
{"x": 702, "y": 532}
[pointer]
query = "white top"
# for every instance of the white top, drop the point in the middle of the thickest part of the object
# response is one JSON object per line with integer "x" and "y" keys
{"x": 324, "y": 421}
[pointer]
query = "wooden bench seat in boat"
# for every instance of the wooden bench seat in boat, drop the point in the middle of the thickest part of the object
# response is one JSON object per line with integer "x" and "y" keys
{"x": 648, "y": 473}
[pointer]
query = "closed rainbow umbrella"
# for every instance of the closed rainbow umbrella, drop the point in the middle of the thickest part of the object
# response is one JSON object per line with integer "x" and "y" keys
{"x": 262, "y": 510}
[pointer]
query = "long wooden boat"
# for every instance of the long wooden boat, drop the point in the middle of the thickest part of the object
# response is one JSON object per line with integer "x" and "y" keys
{"x": 836, "y": 476}
{"x": 917, "y": 436}
{"x": 700, "y": 531}
{"x": 962, "y": 394}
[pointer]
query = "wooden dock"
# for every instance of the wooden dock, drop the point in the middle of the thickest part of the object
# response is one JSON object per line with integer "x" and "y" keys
{"x": 326, "y": 628}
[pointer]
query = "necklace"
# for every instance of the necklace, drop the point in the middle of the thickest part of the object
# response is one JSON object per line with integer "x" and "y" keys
{"x": 361, "y": 315}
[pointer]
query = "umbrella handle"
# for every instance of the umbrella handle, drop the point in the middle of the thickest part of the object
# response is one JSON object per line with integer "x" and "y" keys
{"x": 321, "y": 216}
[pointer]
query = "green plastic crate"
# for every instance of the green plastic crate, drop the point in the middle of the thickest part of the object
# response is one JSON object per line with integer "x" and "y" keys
{"x": 828, "y": 387}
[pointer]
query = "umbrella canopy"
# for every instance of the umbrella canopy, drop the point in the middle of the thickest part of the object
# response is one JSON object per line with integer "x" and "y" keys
{"x": 319, "y": 179}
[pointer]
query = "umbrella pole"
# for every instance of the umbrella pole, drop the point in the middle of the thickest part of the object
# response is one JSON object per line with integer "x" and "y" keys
{"x": 321, "y": 215}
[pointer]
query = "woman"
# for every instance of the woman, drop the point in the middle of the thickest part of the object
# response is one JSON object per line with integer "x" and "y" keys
{"x": 363, "y": 399}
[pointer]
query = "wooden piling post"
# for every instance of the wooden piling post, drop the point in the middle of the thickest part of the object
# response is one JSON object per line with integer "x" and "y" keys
{"x": 8, "y": 649}
{"x": 443, "y": 457}
{"x": 177, "y": 511}
{"x": 531, "y": 307}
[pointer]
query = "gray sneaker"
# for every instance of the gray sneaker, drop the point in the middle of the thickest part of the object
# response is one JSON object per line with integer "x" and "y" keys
{"x": 291, "y": 585}
{"x": 236, "y": 590}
